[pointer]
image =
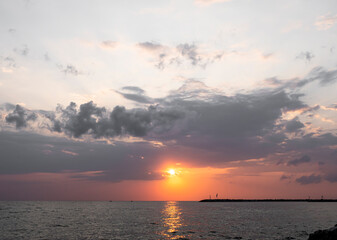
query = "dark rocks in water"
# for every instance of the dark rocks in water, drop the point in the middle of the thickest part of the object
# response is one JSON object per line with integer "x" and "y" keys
{"x": 327, "y": 234}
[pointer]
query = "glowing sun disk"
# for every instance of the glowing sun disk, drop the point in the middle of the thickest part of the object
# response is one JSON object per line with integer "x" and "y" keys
{"x": 172, "y": 172}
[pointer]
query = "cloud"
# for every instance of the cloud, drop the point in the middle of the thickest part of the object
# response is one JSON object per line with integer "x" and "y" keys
{"x": 121, "y": 174}
{"x": 95, "y": 121}
{"x": 311, "y": 179}
{"x": 76, "y": 123}
{"x": 21, "y": 154}
{"x": 297, "y": 161}
{"x": 7, "y": 64}
{"x": 285, "y": 177}
{"x": 70, "y": 69}
{"x": 293, "y": 125}
{"x": 184, "y": 53}
{"x": 135, "y": 94}
{"x": 325, "y": 22}
{"x": 20, "y": 117}
{"x": 152, "y": 46}
{"x": 323, "y": 76}
{"x": 108, "y": 44}
{"x": 136, "y": 97}
{"x": 7, "y": 106}
{"x": 134, "y": 89}
{"x": 318, "y": 74}
{"x": 190, "y": 52}
{"x": 308, "y": 56}
{"x": 310, "y": 110}
{"x": 70, "y": 153}
{"x": 22, "y": 51}
{"x": 202, "y": 124}
{"x": 331, "y": 177}
{"x": 311, "y": 142}
{"x": 213, "y": 120}
{"x": 331, "y": 107}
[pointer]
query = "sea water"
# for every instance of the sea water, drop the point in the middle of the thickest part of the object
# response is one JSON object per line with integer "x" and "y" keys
{"x": 164, "y": 220}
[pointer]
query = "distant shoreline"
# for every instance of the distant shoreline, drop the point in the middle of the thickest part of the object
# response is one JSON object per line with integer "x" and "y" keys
{"x": 268, "y": 200}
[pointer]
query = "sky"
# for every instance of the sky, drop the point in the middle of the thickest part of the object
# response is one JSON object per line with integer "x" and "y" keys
{"x": 168, "y": 100}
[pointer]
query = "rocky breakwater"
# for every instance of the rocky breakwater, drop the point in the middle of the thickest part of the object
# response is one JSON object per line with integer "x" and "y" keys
{"x": 327, "y": 234}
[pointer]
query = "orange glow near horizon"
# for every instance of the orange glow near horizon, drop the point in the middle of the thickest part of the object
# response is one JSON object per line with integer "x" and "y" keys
{"x": 184, "y": 184}
{"x": 187, "y": 183}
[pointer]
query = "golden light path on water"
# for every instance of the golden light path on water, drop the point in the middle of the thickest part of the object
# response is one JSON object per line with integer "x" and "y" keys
{"x": 171, "y": 215}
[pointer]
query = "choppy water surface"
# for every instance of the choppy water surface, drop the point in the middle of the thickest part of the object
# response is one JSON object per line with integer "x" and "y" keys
{"x": 163, "y": 220}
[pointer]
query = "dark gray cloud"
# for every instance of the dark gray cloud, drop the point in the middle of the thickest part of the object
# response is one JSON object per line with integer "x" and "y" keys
{"x": 297, "y": 161}
{"x": 150, "y": 45}
{"x": 90, "y": 119}
{"x": 194, "y": 123}
{"x": 242, "y": 115}
{"x": 307, "y": 56}
{"x": 293, "y": 125}
{"x": 7, "y": 106}
{"x": 331, "y": 177}
{"x": 136, "y": 97}
{"x": 220, "y": 123}
{"x": 285, "y": 177}
{"x": 311, "y": 179}
{"x": 326, "y": 77}
{"x": 76, "y": 123}
{"x": 319, "y": 74}
{"x": 227, "y": 125}
{"x": 136, "y": 172}
{"x": 308, "y": 141}
{"x": 20, "y": 117}
{"x": 135, "y": 94}
{"x": 24, "y": 152}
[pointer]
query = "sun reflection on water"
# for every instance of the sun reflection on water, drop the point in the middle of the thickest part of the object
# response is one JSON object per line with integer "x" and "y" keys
{"x": 171, "y": 215}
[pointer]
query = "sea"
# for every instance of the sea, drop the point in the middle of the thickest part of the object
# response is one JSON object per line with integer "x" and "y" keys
{"x": 164, "y": 220}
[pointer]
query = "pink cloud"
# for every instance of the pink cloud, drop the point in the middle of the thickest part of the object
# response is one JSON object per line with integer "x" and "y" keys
{"x": 69, "y": 153}
{"x": 325, "y": 22}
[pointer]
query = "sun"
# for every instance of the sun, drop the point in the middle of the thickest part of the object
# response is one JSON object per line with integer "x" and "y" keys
{"x": 172, "y": 172}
